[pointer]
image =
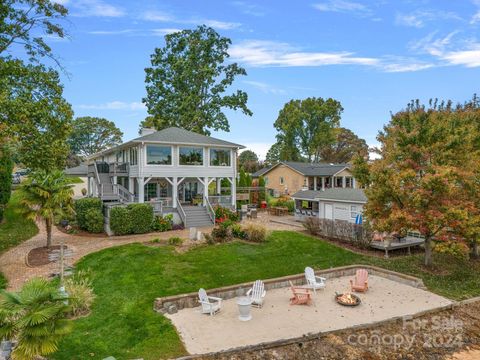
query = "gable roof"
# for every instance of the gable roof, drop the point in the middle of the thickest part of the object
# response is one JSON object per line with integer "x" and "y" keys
{"x": 307, "y": 169}
{"x": 335, "y": 194}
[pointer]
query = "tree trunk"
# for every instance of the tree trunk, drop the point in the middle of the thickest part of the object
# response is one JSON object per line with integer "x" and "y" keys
{"x": 48, "y": 224}
{"x": 475, "y": 250}
{"x": 428, "y": 252}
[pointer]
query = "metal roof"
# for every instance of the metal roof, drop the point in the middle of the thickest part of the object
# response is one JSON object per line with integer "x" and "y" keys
{"x": 335, "y": 194}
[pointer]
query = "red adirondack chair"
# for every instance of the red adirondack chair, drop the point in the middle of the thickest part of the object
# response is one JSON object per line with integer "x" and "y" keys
{"x": 360, "y": 283}
{"x": 300, "y": 296}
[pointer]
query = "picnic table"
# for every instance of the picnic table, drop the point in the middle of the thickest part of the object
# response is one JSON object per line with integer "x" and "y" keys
{"x": 279, "y": 210}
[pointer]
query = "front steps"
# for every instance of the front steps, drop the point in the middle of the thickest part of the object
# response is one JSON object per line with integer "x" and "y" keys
{"x": 197, "y": 216}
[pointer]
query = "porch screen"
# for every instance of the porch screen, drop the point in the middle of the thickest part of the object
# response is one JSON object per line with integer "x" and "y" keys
{"x": 191, "y": 156}
{"x": 219, "y": 157}
{"x": 159, "y": 155}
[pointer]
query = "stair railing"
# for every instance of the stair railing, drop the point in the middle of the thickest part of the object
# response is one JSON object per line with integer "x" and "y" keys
{"x": 182, "y": 214}
{"x": 210, "y": 211}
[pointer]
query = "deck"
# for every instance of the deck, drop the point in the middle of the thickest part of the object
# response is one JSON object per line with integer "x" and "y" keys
{"x": 407, "y": 242}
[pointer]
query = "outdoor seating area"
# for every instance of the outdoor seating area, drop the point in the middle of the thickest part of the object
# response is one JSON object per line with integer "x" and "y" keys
{"x": 296, "y": 309}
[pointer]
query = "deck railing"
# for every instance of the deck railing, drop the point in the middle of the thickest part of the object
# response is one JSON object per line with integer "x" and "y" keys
{"x": 221, "y": 200}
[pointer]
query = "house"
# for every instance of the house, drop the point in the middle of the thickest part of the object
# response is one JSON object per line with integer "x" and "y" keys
{"x": 176, "y": 170}
{"x": 332, "y": 203}
{"x": 80, "y": 172}
{"x": 288, "y": 177}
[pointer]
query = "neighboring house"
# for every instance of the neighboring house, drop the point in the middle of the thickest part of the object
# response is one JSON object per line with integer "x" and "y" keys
{"x": 288, "y": 177}
{"x": 172, "y": 169}
{"x": 79, "y": 172}
{"x": 332, "y": 204}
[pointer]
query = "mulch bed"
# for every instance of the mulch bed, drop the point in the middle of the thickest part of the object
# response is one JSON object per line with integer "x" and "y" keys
{"x": 80, "y": 232}
{"x": 39, "y": 256}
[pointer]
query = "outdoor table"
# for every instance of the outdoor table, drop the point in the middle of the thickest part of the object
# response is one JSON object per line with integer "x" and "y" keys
{"x": 244, "y": 306}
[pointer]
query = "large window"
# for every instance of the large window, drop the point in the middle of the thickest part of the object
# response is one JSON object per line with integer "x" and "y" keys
{"x": 133, "y": 156}
{"x": 191, "y": 156}
{"x": 219, "y": 157}
{"x": 159, "y": 155}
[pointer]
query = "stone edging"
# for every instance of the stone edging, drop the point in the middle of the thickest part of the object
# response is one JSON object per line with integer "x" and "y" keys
{"x": 171, "y": 304}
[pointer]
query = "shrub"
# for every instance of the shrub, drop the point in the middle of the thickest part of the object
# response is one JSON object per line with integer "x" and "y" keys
{"x": 238, "y": 232}
{"x": 120, "y": 222}
{"x": 6, "y": 167}
{"x": 82, "y": 206}
{"x": 84, "y": 191}
{"x": 164, "y": 223}
{"x": 222, "y": 214}
{"x": 226, "y": 223}
{"x": 221, "y": 234}
{"x": 178, "y": 227}
{"x": 255, "y": 233}
{"x": 80, "y": 293}
{"x": 94, "y": 221}
{"x": 141, "y": 218}
{"x": 175, "y": 241}
{"x": 312, "y": 225}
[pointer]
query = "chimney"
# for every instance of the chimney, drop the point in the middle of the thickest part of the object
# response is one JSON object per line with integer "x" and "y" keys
{"x": 147, "y": 131}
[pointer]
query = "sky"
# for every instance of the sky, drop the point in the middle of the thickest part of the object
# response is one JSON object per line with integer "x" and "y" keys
{"x": 372, "y": 56}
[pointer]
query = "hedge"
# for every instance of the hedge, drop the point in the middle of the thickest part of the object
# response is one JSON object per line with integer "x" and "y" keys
{"x": 6, "y": 167}
{"x": 120, "y": 220}
{"x": 94, "y": 220}
{"x": 141, "y": 218}
{"x": 81, "y": 208}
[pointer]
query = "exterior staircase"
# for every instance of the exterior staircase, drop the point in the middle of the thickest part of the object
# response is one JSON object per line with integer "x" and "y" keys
{"x": 107, "y": 193}
{"x": 197, "y": 216}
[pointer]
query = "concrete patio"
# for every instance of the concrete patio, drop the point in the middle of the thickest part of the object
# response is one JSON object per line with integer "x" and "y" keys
{"x": 278, "y": 320}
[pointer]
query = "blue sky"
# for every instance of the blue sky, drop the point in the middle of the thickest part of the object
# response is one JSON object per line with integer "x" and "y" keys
{"x": 373, "y": 56}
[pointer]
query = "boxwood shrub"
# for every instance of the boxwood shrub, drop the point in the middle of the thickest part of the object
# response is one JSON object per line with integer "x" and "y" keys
{"x": 141, "y": 218}
{"x": 94, "y": 220}
{"x": 120, "y": 220}
{"x": 81, "y": 208}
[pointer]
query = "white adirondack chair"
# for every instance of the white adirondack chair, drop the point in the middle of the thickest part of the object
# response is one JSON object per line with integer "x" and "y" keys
{"x": 210, "y": 304}
{"x": 313, "y": 281}
{"x": 257, "y": 293}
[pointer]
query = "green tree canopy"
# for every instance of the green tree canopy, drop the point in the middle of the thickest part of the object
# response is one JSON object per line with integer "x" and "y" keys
{"x": 426, "y": 178}
{"x": 248, "y": 161}
{"x": 187, "y": 81}
{"x": 92, "y": 134}
{"x": 6, "y": 167}
{"x": 346, "y": 146}
{"x": 306, "y": 126}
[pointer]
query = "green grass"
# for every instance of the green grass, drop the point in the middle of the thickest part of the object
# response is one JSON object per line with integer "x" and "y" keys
{"x": 14, "y": 229}
{"x": 127, "y": 279}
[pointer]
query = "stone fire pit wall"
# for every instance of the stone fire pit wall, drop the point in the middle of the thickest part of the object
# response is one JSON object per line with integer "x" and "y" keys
{"x": 171, "y": 304}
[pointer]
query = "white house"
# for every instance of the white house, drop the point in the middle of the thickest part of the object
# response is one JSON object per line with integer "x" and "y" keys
{"x": 173, "y": 169}
{"x": 334, "y": 204}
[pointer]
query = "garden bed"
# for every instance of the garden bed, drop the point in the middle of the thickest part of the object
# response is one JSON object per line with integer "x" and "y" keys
{"x": 39, "y": 256}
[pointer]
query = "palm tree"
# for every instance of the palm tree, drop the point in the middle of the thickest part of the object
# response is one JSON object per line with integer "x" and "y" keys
{"x": 35, "y": 316}
{"x": 46, "y": 195}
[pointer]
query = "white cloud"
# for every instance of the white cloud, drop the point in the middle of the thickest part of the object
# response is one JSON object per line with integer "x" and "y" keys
{"x": 136, "y": 32}
{"x": 269, "y": 53}
{"x": 419, "y": 18}
{"x": 158, "y": 16}
{"x": 154, "y": 15}
{"x": 165, "y": 31}
{"x": 475, "y": 18}
{"x": 113, "y": 105}
{"x": 341, "y": 6}
{"x": 258, "y": 148}
{"x": 264, "y": 87}
{"x": 248, "y": 8}
{"x": 469, "y": 58}
{"x": 86, "y": 8}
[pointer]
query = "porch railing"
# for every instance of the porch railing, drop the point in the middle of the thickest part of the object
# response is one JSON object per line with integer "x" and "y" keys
{"x": 181, "y": 212}
{"x": 159, "y": 203}
{"x": 221, "y": 200}
{"x": 119, "y": 168}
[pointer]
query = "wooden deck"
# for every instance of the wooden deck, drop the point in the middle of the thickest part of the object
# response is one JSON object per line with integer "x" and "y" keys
{"x": 407, "y": 242}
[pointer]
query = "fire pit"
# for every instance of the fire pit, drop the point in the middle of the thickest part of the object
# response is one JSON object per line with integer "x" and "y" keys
{"x": 347, "y": 299}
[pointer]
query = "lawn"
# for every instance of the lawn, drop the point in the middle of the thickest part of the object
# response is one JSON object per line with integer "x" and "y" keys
{"x": 127, "y": 279}
{"x": 15, "y": 229}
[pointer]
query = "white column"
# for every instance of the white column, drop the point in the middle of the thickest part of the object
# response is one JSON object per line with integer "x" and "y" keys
{"x": 89, "y": 186}
{"x": 234, "y": 193}
{"x": 323, "y": 184}
{"x": 175, "y": 192}
{"x": 131, "y": 185}
{"x": 354, "y": 183}
{"x": 205, "y": 190}
{"x": 332, "y": 182}
{"x": 115, "y": 180}
{"x": 141, "y": 190}
{"x": 219, "y": 186}
{"x": 314, "y": 183}
{"x": 306, "y": 181}
{"x": 344, "y": 182}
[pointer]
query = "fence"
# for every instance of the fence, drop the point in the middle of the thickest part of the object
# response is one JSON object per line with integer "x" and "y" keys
{"x": 359, "y": 235}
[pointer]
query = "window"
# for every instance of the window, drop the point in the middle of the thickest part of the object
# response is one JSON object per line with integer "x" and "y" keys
{"x": 354, "y": 211}
{"x": 338, "y": 182}
{"x": 133, "y": 156}
{"x": 191, "y": 156}
{"x": 159, "y": 155}
{"x": 219, "y": 157}
{"x": 150, "y": 191}
{"x": 282, "y": 180}
{"x": 120, "y": 156}
{"x": 349, "y": 182}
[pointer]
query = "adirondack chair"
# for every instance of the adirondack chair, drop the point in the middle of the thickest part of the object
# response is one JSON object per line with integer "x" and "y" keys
{"x": 210, "y": 304}
{"x": 314, "y": 282}
{"x": 257, "y": 293}
{"x": 300, "y": 296}
{"x": 360, "y": 283}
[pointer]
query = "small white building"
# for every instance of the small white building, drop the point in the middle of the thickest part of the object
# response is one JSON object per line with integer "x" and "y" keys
{"x": 332, "y": 204}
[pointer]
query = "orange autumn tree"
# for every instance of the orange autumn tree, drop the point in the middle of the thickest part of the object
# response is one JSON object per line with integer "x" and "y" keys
{"x": 425, "y": 178}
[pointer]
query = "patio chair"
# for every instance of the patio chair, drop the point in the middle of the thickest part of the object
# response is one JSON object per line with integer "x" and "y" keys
{"x": 210, "y": 304}
{"x": 360, "y": 283}
{"x": 257, "y": 293}
{"x": 301, "y": 295}
{"x": 314, "y": 282}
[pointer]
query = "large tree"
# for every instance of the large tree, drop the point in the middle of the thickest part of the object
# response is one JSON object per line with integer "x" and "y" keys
{"x": 426, "y": 178}
{"x": 346, "y": 146}
{"x": 34, "y": 113}
{"x": 92, "y": 134}
{"x": 187, "y": 81}
{"x": 306, "y": 126}
{"x": 248, "y": 161}
{"x": 6, "y": 167}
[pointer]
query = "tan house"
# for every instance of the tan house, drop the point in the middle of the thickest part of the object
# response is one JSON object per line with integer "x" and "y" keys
{"x": 288, "y": 177}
